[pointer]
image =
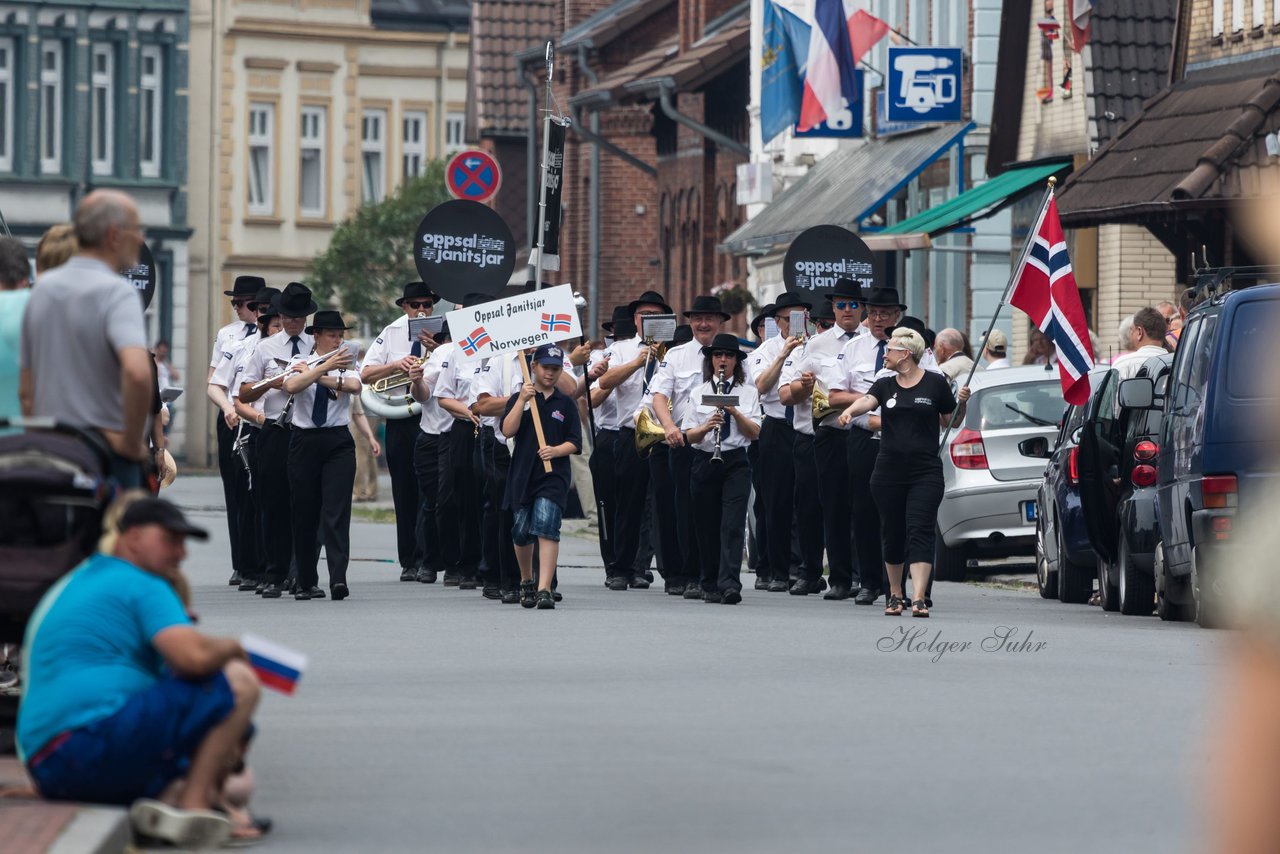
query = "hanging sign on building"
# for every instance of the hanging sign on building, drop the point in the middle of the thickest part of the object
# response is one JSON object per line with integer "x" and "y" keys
{"x": 924, "y": 84}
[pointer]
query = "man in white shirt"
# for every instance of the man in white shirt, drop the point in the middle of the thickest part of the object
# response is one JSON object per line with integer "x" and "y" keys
{"x": 1146, "y": 339}
{"x": 434, "y": 424}
{"x": 390, "y": 352}
{"x": 604, "y": 443}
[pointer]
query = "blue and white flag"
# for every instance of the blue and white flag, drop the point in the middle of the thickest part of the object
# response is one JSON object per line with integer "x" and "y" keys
{"x": 786, "y": 47}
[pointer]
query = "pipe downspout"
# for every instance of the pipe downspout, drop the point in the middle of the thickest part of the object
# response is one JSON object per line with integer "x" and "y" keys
{"x": 666, "y": 87}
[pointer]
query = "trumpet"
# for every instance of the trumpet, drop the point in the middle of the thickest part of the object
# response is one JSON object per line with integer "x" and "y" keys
{"x": 821, "y": 404}
{"x": 398, "y": 379}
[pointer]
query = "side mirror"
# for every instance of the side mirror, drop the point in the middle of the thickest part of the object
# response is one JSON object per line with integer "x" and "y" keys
{"x": 1138, "y": 393}
{"x": 1036, "y": 446}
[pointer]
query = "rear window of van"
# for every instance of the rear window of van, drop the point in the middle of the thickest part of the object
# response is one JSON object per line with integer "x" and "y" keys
{"x": 1253, "y": 350}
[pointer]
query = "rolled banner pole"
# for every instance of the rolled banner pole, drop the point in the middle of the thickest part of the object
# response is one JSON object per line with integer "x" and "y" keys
{"x": 542, "y": 190}
{"x": 537, "y": 416}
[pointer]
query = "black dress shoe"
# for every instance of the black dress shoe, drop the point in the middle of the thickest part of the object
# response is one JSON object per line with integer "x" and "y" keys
{"x": 866, "y": 597}
{"x": 340, "y": 592}
{"x": 819, "y": 585}
{"x": 928, "y": 603}
{"x": 510, "y": 597}
{"x": 800, "y": 588}
{"x": 491, "y": 593}
{"x": 715, "y": 597}
{"x": 693, "y": 591}
{"x": 311, "y": 593}
{"x": 777, "y": 586}
{"x": 557, "y": 595}
{"x": 467, "y": 584}
{"x": 617, "y": 583}
{"x": 247, "y": 584}
{"x": 272, "y": 591}
{"x": 407, "y": 574}
{"x": 762, "y": 583}
{"x": 673, "y": 589}
{"x": 638, "y": 582}
{"x": 648, "y": 576}
{"x": 838, "y": 592}
{"x": 731, "y": 597}
{"x": 262, "y": 585}
{"x": 452, "y": 580}
{"x": 425, "y": 576}
{"x": 235, "y": 579}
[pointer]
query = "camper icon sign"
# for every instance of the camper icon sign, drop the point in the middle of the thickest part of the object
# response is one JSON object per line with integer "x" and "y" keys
{"x": 924, "y": 84}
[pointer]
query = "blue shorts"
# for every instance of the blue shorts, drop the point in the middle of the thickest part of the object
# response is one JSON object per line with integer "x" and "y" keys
{"x": 541, "y": 519}
{"x": 139, "y": 750}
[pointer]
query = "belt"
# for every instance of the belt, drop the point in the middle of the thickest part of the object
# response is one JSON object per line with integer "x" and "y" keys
{"x": 728, "y": 454}
{"x": 779, "y": 418}
{"x": 49, "y": 749}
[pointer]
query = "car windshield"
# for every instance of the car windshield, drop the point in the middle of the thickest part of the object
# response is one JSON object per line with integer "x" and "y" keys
{"x": 1253, "y": 343}
{"x": 1034, "y": 404}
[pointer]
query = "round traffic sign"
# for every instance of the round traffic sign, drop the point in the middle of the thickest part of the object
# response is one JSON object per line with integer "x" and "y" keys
{"x": 472, "y": 175}
{"x": 464, "y": 247}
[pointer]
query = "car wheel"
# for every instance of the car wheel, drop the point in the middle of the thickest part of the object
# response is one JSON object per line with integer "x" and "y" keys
{"x": 1137, "y": 589}
{"x": 1170, "y": 592}
{"x": 1075, "y": 582}
{"x": 1108, "y": 593}
{"x": 1046, "y": 578}
{"x": 949, "y": 564}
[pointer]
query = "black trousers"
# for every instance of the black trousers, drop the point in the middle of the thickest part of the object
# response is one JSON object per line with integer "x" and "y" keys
{"x": 631, "y": 486}
{"x": 778, "y": 476}
{"x": 664, "y": 516}
{"x": 322, "y": 471}
{"x": 402, "y": 438}
{"x": 808, "y": 486}
{"x": 249, "y": 522}
{"x": 863, "y": 449}
{"x": 681, "y": 461}
{"x": 502, "y": 570}
{"x": 602, "y": 480}
{"x": 458, "y": 506}
{"x": 907, "y": 497}
{"x": 227, "y": 470}
{"x": 271, "y": 482}
{"x": 426, "y": 466}
{"x": 720, "y": 494}
{"x": 761, "y": 535}
{"x": 831, "y": 452}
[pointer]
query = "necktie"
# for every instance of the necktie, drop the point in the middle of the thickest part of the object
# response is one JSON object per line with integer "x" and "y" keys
{"x": 249, "y": 329}
{"x": 791, "y": 414}
{"x": 880, "y": 355}
{"x": 296, "y": 342}
{"x": 320, "y": 409}
{"x": 416, "y": 350}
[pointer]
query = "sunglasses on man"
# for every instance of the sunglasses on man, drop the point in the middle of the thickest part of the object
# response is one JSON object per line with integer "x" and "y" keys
{"x": 413, "y": 303}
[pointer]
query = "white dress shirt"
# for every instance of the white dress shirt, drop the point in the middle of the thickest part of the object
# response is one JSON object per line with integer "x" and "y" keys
{"x": 338, "y": 413}
{"x": 678, "y": 376}
{"x": 760, "y": 361}
{"x": 242, "y": 357}
{"x": 629, "y": 394}
{"x": 237, "y": 330}
{"x": 455, "y": 382}
{"x": 391, "y": 345}
{"x": 269, "y": 359}
{"x": 434, "y": 419}
{"x": 607, "y": 413}
{"x": 818, "y": 355}
{"x": 224, "y": 372}
{"x": 697, "y": 413}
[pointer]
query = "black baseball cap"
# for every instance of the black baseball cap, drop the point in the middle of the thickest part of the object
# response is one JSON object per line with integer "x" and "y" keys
{"x": 157, "y": 511}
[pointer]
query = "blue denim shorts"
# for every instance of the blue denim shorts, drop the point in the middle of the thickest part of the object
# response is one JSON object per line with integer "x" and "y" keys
{"x": 541, "y": 519}
{"x": 136, "y": 752}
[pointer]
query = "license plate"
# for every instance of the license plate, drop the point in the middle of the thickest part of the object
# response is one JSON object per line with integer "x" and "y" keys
{"x": 1029, "y": 512}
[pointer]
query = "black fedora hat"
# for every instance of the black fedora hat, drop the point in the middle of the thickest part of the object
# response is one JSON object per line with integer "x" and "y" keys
{"x": 474, "y": 299}
{"x": 823, "y": 311}
{"x": 725, "y": 341}
{"x": 909, "y": 322}
{"x": 620, "y": 312}
{"x": 650, "y": 298}
{"x": 326, "y": 319}
{"x": 246, "y": 286}
{"x": 789, "y": 301}
{"x": 882, "y": 297}
{"x": 708, "y": 305}
{"x": 845, "y": 288}
{"x": 766, "y": 311}
{"x": 418, "y": 290}
{"x": 263, "y": 298}
{"x": 295, "y": 300}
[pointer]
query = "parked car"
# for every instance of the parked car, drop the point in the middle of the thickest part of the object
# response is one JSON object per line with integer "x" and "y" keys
{"x": 989, "y": 507}
{"x": 1062, "y": 543}
{"x": 1216, "y": 443}
{"x": 1118, "y": 450}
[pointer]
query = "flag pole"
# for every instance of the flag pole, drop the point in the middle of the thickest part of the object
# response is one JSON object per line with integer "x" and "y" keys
{"x": 537, "y": 265}
{"x": 1004, "y": 298}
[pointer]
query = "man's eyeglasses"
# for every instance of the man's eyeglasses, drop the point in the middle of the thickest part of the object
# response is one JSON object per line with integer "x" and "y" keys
{"x": 824, "y": 325}
{"x": 844, "y": 304}
{"x": 882, "y": 313}
{"x": 241, "y": 303}
{"x": 418, "y": 303}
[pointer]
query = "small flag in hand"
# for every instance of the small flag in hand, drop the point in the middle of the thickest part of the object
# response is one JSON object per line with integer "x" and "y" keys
{"x": 277, "y": 666}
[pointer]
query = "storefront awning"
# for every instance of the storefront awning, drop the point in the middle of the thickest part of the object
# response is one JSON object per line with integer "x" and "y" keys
{"x": 844, "y": 188}
{"x": 982, "y": 201}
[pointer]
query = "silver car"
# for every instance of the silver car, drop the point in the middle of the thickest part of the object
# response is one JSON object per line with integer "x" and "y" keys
{"x": 989, "y": 508}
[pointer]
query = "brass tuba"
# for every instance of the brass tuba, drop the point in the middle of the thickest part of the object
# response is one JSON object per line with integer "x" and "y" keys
{"x": 649, "y": 432}
{"x": 821, "y": 404}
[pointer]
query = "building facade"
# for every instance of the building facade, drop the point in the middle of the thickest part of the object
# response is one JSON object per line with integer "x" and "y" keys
{"x": 312, "y": 108}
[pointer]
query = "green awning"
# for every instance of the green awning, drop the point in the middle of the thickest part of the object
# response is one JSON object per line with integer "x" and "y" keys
{"x": 983, "y": 200}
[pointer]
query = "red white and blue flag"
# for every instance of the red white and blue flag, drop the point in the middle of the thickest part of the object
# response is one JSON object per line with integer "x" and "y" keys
{"x": 277, "y": 666}
{"x": 1045, "y": 288}
{"x": 830, "y": 81}
{"x": 473, "y": 342}
{"x": 556, "y": 322}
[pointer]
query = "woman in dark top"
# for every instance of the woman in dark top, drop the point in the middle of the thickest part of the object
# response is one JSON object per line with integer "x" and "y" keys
{"x": 907, "y": 482}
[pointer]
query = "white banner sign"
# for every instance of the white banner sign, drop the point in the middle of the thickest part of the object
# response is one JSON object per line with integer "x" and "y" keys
{"x": 515, "y": 323}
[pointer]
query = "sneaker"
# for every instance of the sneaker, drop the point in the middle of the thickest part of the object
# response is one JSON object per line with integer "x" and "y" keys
{"x": 545, "y": 600}
{"x": 528, "y": 594}
{"x": 191, "y": 829}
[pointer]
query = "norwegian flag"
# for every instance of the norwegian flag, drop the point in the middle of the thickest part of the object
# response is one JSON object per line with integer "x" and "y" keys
{"x": 1045, "y": 288}
{"x": 474, "y": 341}
{"x": 555, "y": 322}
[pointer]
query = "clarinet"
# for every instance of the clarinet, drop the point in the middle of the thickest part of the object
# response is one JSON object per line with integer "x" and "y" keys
{"x": 721, "y": 388}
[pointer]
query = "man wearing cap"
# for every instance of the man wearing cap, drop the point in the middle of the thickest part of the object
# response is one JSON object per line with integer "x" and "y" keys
{"x": 632, "y": 365}
{"x": 996, "y": 350}
{"x": 392, "y": 351}
{"x": 269, "y": 359}
{"x": 673, "y": 386}
{"x": 777, "y": 440}
{"x": 123, "y": 696}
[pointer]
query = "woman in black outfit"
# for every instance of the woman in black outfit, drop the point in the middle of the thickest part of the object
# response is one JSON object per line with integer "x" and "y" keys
{"x": 907, "y": 482}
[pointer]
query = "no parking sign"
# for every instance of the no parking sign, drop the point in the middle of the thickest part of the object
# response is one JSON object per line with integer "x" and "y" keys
{"x": 472, "y": 175}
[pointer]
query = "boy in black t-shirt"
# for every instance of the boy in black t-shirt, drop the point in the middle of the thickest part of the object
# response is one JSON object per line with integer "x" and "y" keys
{"x": 535, "y": 496}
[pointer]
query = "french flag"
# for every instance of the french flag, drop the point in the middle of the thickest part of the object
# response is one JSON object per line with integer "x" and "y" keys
{"x": 277, "y": 666}
{"x": 829, "y": 81}
{"x": 1045, "y": 288}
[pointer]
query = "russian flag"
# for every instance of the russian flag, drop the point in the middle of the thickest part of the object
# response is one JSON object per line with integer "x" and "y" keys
{"x": 829, "y": 81}
{"x": 277, "y": 666}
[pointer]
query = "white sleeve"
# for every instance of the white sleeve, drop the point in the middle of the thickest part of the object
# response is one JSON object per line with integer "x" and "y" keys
{"x": 376, "y": 354}
{"x": 447, "y": 385}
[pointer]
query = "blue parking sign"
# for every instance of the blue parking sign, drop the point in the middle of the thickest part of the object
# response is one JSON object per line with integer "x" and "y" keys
{"x": 924, "y": 84}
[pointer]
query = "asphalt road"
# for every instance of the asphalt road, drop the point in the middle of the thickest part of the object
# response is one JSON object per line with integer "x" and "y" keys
{"x": 433, "y": 720}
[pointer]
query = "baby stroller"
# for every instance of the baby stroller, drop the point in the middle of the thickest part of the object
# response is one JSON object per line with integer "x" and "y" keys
{"x": 53, "y": 493}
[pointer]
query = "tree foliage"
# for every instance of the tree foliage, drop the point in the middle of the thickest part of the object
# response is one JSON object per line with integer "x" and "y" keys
{"x": 370, "y": 256}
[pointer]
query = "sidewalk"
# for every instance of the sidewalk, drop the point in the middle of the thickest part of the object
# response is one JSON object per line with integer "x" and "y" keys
{"x": 32, "y": 826}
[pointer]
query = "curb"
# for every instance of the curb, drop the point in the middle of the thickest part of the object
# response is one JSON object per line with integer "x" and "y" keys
{"x": 94, "y": 830}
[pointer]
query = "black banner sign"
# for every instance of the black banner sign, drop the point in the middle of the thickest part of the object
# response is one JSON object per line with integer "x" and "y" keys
{"x": 555, "y": 184}
{"x": 464, "y": 247}
{"x": 822, "y": 255}
{"x": 143, "y": 276}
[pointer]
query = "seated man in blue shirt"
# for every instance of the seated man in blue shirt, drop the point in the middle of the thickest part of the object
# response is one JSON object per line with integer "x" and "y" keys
{"x": 536, "y": 494}
{"x": 124, "y": 698}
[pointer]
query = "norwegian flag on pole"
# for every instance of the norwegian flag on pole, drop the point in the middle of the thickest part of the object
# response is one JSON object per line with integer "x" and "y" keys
{"x": 1045, "y": 288}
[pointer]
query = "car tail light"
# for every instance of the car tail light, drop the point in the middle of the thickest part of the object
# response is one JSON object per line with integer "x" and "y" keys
{"x": 1145, "y": 450}
{"x": 1143, "y": 475}
{"x": 1073, "y": 465}
{"x": 967, "y": 451}
{"x": 1222, "y": 528}
{"x": 1219, "y": 491}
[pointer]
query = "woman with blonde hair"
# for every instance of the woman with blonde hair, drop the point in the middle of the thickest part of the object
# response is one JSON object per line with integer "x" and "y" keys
{"x": 907, "y": 481}
{"x": 56, "y": 247}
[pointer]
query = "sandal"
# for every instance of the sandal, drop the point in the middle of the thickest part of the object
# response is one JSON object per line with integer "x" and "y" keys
{"x": 894, "y": 608}
{"x": 919, "y": 608}
{"x": 528, "y": 594}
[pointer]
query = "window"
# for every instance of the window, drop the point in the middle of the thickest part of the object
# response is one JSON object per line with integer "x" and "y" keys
{"x": 1259, "y": 12}
{"x": 149, "y": 111}
{"x": 1237, "y": 16}
{"x": 1217, "y": 17}
{"x": 453, "y": 131}
{"x": 262, "y": 119}
{"x": 102, "y": 109}
{"x": 415, "y": 143}
{"x": 311, "y": 168}
{"x": 373, "y": 147}
{"x": 51, "y": 107}
{"x": 7, "y": 75}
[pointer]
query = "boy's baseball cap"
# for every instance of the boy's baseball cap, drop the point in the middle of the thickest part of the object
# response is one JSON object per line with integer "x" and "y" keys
{"x": 549, "y": 354}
